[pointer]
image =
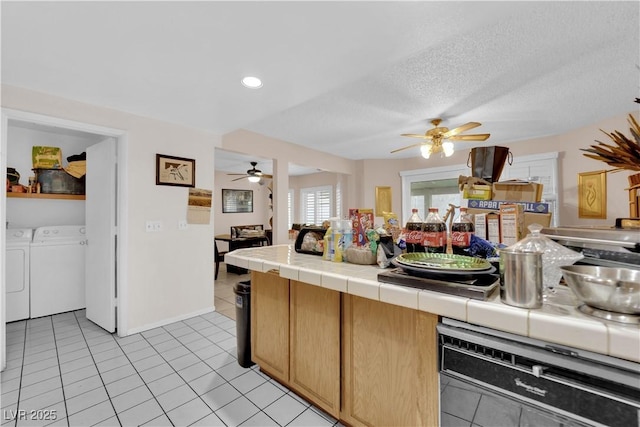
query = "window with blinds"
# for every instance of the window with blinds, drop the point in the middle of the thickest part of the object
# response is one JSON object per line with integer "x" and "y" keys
{"x": 290, "y": 202}
{"x": 316, "y": 204}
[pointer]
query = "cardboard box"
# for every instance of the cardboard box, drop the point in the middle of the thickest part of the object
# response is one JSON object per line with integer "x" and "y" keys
{"x": 511, "y": 224}
{"x": 46, "y": 157}
{"x": 517, "y": 191}
{"x": 477, "y": 192}
{"x": 361, "y": 220}
{"x": 493, "y": 227}
{"x": 480, "y": 225}
{"x": 544, "y": 219}
{"x": 536, "y": 207}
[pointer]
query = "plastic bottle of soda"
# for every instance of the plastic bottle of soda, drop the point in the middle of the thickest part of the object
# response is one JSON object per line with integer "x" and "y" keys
{"x": 461, "y": 231}
{"x": 413, "y": 235}
{"x": 434, "y": 234}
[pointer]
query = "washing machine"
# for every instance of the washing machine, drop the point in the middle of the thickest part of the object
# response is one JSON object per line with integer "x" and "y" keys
{"x": 18, "y": 242}
{"x": 58, "y": 256}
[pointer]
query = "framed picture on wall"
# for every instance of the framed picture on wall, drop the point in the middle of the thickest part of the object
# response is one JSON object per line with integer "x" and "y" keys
{"x": 176, "y": 171}
{"x": 592, "y": 195}
{"x": 237, "y": 201}
{"x": 383, "y": 200}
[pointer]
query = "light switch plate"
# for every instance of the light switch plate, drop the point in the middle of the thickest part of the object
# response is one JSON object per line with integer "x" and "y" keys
{"x": 153, "y": 226}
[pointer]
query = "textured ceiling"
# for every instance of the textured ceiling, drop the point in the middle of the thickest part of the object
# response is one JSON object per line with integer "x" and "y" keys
{"x": 342, "y": 77}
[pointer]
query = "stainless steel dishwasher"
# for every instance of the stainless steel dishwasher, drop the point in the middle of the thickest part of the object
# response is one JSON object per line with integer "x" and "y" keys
{"x": 491, "y": 378}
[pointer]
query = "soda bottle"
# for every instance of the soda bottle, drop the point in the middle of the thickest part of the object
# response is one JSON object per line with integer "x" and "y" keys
{"x": 461, "y": 231}
{"x": 434, "y": 234}
{"x": 413, "y": 235}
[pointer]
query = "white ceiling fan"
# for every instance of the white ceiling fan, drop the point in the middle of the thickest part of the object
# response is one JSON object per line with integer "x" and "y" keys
{"x": 253, "y": 174}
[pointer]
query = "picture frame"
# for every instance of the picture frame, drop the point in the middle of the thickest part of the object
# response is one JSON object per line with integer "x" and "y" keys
{"x": 237, "y": 201}
{"x": 592, "y": 195}
{"x": 383, "y": 200}
{"x": 175, "y": 171}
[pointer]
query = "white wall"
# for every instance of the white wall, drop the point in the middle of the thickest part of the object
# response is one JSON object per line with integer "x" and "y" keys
{"x": 169, "y": 274}
{"x": 224, "y": 221}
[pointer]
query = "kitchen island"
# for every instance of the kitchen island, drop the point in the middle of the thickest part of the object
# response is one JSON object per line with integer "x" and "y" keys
{"x": 366, "y": 351}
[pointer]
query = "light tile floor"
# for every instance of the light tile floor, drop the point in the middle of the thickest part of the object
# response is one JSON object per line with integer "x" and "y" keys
{"x": 64, "y": 370}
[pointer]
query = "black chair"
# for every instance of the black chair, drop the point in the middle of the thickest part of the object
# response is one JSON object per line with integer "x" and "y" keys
{"x": 219, "y": 259}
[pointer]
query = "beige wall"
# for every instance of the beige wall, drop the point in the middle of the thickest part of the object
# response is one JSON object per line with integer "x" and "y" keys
{"x": 284, "y": 153}
{"x": 169, "y": 274}
{"x": 223, "y": 221}
{"x": 571, "y": 161}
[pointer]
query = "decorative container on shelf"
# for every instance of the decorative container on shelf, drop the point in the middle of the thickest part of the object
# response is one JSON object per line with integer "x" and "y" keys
{"x": 58, "y": 181}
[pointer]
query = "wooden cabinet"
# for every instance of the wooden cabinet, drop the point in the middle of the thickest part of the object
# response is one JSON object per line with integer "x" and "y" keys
{"x": 365, "y": 362}
{"x": 389, "y": 357}
{"x": 270, "y": 324}
{"x": 314, "y": 368}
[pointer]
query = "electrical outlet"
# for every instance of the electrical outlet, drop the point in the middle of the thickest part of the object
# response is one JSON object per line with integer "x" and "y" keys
{"x": 182, "y": 224}
{"x": 153, "y": 226}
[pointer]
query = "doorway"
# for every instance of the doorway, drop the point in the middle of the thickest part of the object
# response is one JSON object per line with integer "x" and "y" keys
{"x": 92, "y": 135}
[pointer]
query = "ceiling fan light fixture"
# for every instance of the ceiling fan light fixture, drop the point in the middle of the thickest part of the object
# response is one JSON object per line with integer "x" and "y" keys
{"x": 251, "y": 82}
{"x": 447, "y": 147}
{"x": 253, "y": 178}
{"x": 425, "y": 149}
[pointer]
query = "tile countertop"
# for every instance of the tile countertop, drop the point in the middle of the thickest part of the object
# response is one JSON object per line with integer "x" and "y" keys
{"x": 558, "y": 321}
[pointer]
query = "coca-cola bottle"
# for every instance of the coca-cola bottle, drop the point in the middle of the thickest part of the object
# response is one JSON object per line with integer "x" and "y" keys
{"x": 461, "y": 231}
{"x": 434, "y": 233}
{"x": 413, "y": 234}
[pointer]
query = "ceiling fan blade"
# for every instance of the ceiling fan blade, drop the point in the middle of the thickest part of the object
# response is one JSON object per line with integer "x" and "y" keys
{"x": 461, "y": 129}
{"x": 476, "y": 137}
{"x": 266, "y": 175}
{"x": 407, "y": 147}
{"x": 413, "y": 135}
{"x": 243, "y": 174}
{"x": 238, "y": 179}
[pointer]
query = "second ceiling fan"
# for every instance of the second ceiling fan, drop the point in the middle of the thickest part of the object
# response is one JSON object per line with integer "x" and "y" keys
{"x": 440, "y": 138}
{"x": 253, "y": 174}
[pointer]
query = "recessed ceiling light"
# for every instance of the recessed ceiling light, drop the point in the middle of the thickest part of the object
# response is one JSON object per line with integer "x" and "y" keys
{"x": 252, "y": 82}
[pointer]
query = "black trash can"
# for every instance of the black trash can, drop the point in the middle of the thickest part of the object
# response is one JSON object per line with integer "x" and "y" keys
{"x": 242, "y": 291}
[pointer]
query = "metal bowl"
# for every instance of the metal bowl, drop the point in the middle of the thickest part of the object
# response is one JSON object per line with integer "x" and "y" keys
{"x": 606, "y": 288}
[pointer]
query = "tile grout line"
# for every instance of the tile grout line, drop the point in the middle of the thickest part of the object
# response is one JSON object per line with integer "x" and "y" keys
{"x": 75, "y": 315}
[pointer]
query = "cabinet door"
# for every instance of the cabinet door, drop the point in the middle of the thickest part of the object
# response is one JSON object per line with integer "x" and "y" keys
{"x": 315, "y": 345}
{"x": 270, "y": 324}
{"x": 390, "y": 374}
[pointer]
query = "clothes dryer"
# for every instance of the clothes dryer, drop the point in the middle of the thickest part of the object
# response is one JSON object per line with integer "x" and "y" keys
{"x": 58, "y": 269}
{"x": 17, "y": 273}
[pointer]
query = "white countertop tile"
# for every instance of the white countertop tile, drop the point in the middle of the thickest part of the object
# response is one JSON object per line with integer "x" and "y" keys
{"x": 310, "y": 276}
{"x": 397, "y": 295}
{"x": 337, "y": 282}
{"x": 256, "y": 264}
{"x": 363, "y": 288}
{"x": 289, "y": 272}
{"x": 558, "y": 321}
{"x": 495, "y": 314}
{"x": 443, "y": 304}
{"x": 624, "y": 341}
{"x": 570, "y": 328}
{"x": 270, "y": 265}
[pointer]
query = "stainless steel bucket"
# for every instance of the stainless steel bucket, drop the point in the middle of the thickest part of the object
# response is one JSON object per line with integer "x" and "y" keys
{"x": 521, "y": 278}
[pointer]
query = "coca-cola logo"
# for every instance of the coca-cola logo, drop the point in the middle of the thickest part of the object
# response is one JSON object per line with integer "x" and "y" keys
{"x": 413, "y": 236}
{"x": 459, "y": 238}
{"x": 434, "y": 239}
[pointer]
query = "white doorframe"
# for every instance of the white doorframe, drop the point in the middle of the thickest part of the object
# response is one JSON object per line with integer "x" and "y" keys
{"x": 121, "y": 137}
